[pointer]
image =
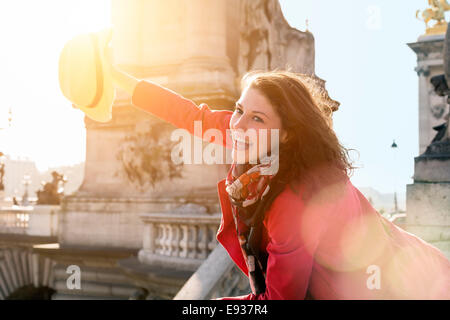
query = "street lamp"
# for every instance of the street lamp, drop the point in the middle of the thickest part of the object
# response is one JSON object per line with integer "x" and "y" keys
{"x": 394, "y": 147}
{"x": 26, "y": 183}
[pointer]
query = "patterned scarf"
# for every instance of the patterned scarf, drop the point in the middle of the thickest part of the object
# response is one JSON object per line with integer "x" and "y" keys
{"x": 249, "y": 183}
{"x": 246, "y": 186}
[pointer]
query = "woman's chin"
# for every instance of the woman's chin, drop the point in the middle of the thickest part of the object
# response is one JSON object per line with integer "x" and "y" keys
{"x": 244, "y": 157}
{"x": 240, "y": 156}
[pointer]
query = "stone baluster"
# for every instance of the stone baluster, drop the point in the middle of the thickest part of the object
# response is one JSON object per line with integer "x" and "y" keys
{"x": 193, "y": 242}
{"x": 203, "y": 242}
{"x": 184, "y": 248}
{"x": 164, "y": 240}
{"x": 175, "y": 243}
{"x": 159, "y": 234}
{"x": 158, "y": 243}
{"x": 164, "y": 236}
{"x": 169, "y": 239}
{"x": 213, "y": 242}
{"x": 182, "y": 238}
{"x": 150, "y": 237}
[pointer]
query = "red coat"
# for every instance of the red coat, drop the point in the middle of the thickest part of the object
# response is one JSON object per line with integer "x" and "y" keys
{"x": 335, "y": 244}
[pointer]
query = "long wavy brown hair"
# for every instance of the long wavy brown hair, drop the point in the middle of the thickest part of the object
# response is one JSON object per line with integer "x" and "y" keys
{"x": 312, "y": 152}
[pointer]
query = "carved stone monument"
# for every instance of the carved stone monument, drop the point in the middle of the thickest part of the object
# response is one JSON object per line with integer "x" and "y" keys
{"x": 428, "y": 198}
{"x": 432, "y": 108}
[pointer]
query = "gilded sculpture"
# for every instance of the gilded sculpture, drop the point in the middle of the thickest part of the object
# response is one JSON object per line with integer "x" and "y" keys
{"x": 435, "y": 13}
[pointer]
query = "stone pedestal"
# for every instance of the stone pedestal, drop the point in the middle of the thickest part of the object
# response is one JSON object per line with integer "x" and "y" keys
{"x": 428, "y": 199}
{"x": 428, "y": 213}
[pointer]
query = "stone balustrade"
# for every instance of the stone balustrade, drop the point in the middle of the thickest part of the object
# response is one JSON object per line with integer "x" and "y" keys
{"x": 15, "y": 219}
{"x": 182, "y": 240}
{"x": 40, "y": 220}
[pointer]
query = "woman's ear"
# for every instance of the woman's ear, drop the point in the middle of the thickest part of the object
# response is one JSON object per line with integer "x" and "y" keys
{"x": 284, "y": 136}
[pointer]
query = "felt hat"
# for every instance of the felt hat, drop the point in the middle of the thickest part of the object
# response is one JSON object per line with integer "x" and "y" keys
{"x": 84, "y": 77}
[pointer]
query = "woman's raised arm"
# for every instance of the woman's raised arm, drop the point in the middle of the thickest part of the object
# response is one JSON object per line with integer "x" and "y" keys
{"x": 170, "y": 106}
{"x": 123, "y": 80}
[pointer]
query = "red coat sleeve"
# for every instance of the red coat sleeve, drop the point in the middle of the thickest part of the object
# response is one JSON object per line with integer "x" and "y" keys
{"x": 179, "y": 111}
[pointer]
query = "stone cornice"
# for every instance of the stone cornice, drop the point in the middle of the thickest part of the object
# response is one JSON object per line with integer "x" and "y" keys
{"x": 426, "y": 50}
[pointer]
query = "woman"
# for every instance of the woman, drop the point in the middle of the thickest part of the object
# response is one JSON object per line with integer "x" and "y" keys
{"x": 291, "y": 219}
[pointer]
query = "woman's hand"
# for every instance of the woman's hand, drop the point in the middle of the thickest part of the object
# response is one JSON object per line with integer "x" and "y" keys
{"x": 120, "y": 79}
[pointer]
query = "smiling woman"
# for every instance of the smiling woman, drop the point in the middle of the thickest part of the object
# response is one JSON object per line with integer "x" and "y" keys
{"x": 293, "y": 222}
{"x": 33, "y": 34}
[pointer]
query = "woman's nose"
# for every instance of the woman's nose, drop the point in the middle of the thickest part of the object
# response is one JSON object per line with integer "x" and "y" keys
{"x": 239, "y": 123}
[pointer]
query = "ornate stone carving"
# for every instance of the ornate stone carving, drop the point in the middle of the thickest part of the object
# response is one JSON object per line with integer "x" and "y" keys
{"x": 146, "y": 156}
{"x": 52, "y": 192}
{"x": 422, "y": 71}
{"x": 438, "y": 106}
{"x": 267, "y": 41}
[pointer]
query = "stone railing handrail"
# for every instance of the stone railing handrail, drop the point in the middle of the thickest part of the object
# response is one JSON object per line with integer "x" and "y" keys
{"x": 181, "y": 218}
{"x": 216, "y": 277}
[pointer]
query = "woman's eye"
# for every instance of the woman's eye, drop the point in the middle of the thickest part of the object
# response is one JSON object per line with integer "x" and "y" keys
{"x": 239, "y": 110}
{"x": 256, "y": 118}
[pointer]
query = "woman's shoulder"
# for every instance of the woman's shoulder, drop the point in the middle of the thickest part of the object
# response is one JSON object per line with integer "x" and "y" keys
{"x": 300, "y": 201}
{"x": 307, "y": 191}
{"x": 295, "y": 220}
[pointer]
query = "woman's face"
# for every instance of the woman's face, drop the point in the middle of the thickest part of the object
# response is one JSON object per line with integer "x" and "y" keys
{"x": 255, "y": 127}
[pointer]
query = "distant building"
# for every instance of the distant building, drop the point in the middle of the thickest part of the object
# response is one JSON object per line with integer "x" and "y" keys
{"x": 384, "y": 202}
{"x": 15, "y": 170}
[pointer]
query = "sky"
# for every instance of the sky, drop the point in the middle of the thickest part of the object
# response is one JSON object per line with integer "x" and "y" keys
{"x": 360, "y": 48}
{"x": 45, "y": 128}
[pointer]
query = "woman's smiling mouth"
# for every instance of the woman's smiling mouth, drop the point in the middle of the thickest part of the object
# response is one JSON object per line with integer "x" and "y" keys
{"x": 240, "y": 145}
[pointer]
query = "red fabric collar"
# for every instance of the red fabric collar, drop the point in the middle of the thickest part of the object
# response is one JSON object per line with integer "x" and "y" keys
{"x": 226, "y": 234}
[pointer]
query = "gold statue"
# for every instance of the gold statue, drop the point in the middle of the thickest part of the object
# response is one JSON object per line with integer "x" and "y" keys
{"x": 437, "y": 13}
